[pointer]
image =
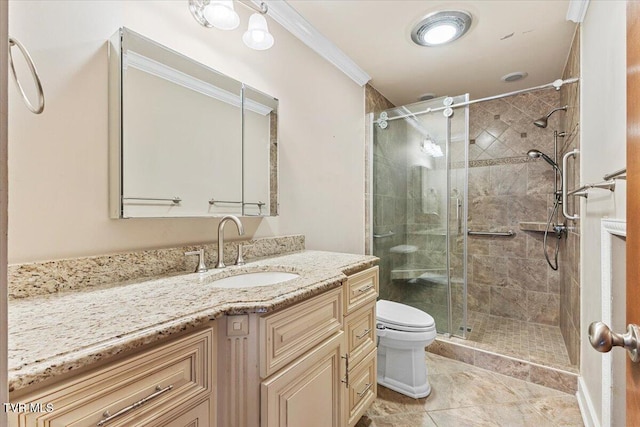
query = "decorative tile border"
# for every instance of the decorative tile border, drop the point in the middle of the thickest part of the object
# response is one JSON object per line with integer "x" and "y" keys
{"x": 557, "y": 379}
{"x": 40, "y": 278}
{"x": 493, "y": 162}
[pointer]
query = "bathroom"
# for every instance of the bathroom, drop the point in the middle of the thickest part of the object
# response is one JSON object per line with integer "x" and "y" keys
{"x": 58, "y": 206}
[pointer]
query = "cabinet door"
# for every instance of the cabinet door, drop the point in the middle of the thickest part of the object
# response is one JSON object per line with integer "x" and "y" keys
{"x": 309, "y": 391}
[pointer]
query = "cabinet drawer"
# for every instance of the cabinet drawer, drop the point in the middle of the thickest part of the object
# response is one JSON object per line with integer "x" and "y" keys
{"x": 361, "y": 288}
{"x": 164, "y": 378}
{"x": 198, "y": 415}
{"x": 361, "y": 332}
{"x": 362, "y": 388}
{"x": 289, "y": 333}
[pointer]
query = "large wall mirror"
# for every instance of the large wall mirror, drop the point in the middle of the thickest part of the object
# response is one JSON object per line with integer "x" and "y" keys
{"x": 185, "y": 140}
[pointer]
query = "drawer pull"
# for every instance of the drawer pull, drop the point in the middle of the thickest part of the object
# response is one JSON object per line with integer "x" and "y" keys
{"x": 363, "y": 334}
{"x": 365, "y": 289}
{"x": 108, "y": 417}
{"x": 345, "y": 380}
{"x": 366, "y": 389}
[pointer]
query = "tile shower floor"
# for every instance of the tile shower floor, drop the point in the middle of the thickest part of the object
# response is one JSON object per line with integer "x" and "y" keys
{"x": 533, "y": 342}
{"x": 464, "y": 395}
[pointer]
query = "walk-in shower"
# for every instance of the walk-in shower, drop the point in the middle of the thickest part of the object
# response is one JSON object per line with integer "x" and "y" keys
{"x": 459, "y": 205}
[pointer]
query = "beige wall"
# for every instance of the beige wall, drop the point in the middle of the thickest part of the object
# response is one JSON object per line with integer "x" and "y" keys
{"x": 603, "y": 145}
{"x": 58, "y": 161}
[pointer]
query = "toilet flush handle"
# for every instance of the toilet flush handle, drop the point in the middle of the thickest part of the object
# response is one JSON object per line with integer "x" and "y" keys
{"x": 381, "y": 330}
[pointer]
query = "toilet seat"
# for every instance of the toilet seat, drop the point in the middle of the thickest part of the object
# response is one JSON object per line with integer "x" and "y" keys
{"x": 400, "y": 317}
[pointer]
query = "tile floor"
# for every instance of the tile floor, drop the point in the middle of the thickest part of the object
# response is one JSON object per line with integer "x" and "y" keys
{"x": 533, "y": 342}
{"x": 464, "y": 395}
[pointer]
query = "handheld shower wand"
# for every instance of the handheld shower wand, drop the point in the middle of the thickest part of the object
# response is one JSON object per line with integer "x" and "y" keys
{"x": 536, "y": 154}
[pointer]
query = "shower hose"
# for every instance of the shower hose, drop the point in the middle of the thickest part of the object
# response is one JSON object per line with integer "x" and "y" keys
{"x": 546, "y": 234}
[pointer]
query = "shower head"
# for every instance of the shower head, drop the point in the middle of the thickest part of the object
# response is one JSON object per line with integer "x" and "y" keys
{"x": 542, "y": 121}
{"x": 535, "y": 154}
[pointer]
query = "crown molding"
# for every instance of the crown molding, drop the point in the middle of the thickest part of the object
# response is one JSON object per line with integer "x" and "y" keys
{"x": 577, "y": 10}
{"x": 285, "y": 15}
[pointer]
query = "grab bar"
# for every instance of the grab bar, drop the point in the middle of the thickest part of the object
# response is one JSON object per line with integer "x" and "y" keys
{"x": 40, "y": 108}
{"x": 491, "y": 233}
{"x": 565, "y": 194}
{"x": 380, "y": 236}
{"x": 619, "y": 174}
{"x": 175, "y": 200}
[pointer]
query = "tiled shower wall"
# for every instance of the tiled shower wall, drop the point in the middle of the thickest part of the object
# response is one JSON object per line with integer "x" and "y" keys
{"x": 508, "y": 276}
{"x": 570, "y": 248}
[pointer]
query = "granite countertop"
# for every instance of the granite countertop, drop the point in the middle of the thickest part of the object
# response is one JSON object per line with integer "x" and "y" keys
{"x": 53, "y": 334}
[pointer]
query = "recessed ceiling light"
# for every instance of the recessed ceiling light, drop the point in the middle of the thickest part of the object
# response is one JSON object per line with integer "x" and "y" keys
{"x": 514, "y": 77}
{"x": 439, "y": 28}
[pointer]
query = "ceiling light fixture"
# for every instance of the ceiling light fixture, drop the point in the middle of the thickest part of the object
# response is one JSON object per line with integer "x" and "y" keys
{"x": 222, "y": 15}
{"x": 439, "y": 28}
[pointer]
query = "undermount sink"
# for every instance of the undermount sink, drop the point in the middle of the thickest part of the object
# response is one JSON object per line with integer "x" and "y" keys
{"x": 250, "y": 280}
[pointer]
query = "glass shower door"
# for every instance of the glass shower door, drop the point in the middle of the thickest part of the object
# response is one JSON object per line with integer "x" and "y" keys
{"x": 419, "y": 210}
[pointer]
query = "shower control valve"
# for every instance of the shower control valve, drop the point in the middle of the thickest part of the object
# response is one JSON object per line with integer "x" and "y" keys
{"x": 560, "y": 229}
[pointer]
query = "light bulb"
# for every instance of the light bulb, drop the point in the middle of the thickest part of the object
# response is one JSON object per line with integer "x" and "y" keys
{"x": 257, "y": 35}
{"x": 222, "y": 15}
{"x": 439, "y": 34}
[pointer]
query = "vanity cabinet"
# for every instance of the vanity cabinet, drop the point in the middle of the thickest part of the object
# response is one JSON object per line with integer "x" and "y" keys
{"x": 169, "y": 385}
{"x": 311, "y": 364}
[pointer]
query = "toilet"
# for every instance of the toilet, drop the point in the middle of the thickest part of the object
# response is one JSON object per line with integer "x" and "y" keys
{"x": 403, "y": 333}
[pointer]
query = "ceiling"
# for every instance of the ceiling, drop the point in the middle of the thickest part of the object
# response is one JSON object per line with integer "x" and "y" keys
{"x": 376, "y": 34}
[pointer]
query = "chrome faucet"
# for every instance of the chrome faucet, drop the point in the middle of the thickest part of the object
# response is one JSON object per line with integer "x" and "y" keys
{"x": 223, "y": 221}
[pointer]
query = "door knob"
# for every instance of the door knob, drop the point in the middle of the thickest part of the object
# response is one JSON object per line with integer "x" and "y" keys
{"x": 604, "y": 339}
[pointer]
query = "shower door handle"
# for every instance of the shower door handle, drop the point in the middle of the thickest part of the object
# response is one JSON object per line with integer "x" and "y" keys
{"x": 604, "y": 339}
{"x": 459, "y": 214}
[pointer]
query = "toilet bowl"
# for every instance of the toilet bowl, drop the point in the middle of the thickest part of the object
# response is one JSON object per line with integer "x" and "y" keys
{"x": 403, "y": 333}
